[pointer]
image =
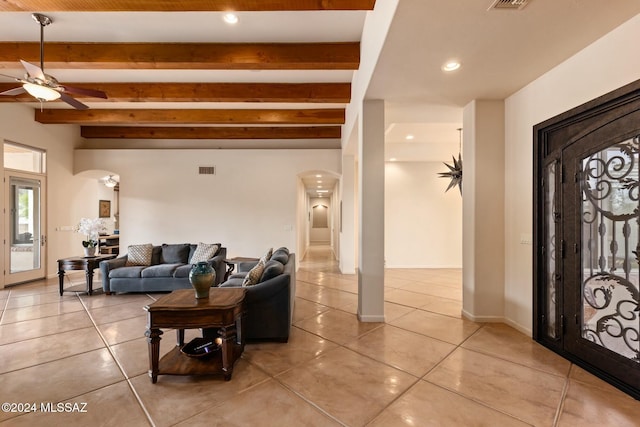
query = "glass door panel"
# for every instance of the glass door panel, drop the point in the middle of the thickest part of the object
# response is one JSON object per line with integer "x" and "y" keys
{"x": 609, "y": 316}
{"x": 24, "y": 241}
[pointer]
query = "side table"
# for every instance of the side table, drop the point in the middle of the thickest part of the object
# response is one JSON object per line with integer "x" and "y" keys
{"x": 231, "y": 264}
{"x": 80, "y": 263}
{"x": 180, "y": 310}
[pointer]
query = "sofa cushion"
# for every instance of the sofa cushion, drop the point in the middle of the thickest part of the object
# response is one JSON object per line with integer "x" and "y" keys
{"x": 234, "y": 282}
{"x": 175, "y": 253}
{"x": 182, "y": 271}
{"x": 280, "y": 255}
{"x": 126, "y": 272}
{"x": 254, "y": 275}
{"x": 160, "y": 270}
{"x": 272, "y": 269}
{"x": 139, "y": 254}
{"x": 203, "y": 252}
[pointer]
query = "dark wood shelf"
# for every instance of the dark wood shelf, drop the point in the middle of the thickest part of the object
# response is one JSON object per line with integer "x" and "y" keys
{"x": 177, "y": 363}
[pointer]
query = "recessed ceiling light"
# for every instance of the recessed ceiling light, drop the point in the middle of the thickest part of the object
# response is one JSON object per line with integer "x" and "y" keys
{"x": 393, "y": 159}
{"x": 451, "y": 65}
{"x": 230, "y": 18}
{"x": 319, "y": 182}
{"x": 409, "y": 137}
{"x": 318, "y": 176}
{"x": 319, "y": 186}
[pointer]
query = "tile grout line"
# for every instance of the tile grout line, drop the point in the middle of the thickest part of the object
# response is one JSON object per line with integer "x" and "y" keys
{"x": 563, "y": 395}
{"x": 4, "y": 309}
{"x": 120, "y": 367}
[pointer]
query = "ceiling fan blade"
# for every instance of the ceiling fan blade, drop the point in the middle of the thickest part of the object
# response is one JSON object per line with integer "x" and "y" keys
{"x": 33, "y": 70}
{"x": 86, "y": 92}
{"x": 12, "y": 78}
{"x": 14, "y": 91}
{"x": 73, "y": 102}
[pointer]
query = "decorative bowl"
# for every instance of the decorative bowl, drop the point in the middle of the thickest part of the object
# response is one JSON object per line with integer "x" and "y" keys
{"x": 200, "y": 347}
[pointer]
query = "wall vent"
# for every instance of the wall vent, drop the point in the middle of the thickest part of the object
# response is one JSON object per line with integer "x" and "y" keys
{"x": 508, "y": 4}
{"x": 207, "y": 170}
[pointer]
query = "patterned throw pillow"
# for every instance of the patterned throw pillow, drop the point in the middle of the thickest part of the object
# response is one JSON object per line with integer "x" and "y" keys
{"x": 139, "y": 254}
{"x": 203, "y": 252}
{"x": 254, "y": 274}
{"x": 267, "y": 256}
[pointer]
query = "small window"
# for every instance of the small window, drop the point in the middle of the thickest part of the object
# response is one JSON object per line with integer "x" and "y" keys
{"x": 23, "y": 158}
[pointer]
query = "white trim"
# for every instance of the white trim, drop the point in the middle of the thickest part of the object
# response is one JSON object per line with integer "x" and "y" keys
{"x": 497, "y": 319}
{"x": 459, "y": 267}
{"x": 519, "y": 327}
{"x": 373, "y": 318}
{"x": 482, "y": 319}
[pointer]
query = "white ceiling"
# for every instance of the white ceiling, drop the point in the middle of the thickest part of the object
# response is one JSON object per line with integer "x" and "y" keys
{"x": 500, "y": 51}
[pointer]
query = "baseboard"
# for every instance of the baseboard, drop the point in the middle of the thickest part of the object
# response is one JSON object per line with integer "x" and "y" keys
{"x": 518, "y": 327}
{"x": 372, "y": 318}
{"x": 424, "y": 266}
{"x": 497, "y": 319}
{"x": 482, "y": 319}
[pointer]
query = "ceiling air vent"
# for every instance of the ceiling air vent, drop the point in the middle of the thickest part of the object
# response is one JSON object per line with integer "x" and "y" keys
{"x": 508, "y": 4}
{"x": 207, "y": 170}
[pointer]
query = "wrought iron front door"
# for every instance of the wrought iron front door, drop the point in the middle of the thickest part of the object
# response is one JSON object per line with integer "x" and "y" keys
{"x": 601, "y": 260}
{"x": 587, "y": 236}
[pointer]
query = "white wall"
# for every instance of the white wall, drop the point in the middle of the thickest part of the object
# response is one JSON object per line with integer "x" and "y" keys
{"x": 423, "y": 224}
{"x": 68, "y": 197}
{"x": 607, "y": 64}
{"x": 249, "y": 205}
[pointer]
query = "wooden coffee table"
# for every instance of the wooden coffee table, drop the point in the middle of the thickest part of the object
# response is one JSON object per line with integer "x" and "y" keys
{"x": 221, "y": 314}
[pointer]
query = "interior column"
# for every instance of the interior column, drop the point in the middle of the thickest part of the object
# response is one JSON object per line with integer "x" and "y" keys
{"x": 483, "y": 211}
{"x": 371, "y": 212}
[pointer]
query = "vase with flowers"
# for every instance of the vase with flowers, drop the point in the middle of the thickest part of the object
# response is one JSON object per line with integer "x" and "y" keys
{"x": 91, "y": 228}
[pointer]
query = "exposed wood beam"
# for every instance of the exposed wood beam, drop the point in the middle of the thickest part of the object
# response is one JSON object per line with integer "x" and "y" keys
{"x": 207, "y": 92}
{"x": 182, "y": 5}
{"x": 214, "y": 56}
{"x": 228, "y": 132}
{"x": 331, "y": 116}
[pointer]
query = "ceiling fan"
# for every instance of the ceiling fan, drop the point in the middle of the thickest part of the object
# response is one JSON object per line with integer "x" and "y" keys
{"x": 44, "y": 87}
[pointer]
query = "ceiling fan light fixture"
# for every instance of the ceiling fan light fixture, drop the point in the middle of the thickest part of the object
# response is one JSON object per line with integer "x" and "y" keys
{"x": 41, "y": 93}
{"x": 110, "y": 182}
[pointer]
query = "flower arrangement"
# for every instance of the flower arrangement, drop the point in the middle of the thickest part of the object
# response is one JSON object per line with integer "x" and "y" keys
{"x": 91, "y": 228}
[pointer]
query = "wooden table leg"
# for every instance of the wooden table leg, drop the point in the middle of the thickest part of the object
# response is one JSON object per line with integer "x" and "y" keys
{"x": 61, "y": 280}
{"x": 153, "y": 338}
{"x": 228, "y": 335}
{"x": 89, "y": 280}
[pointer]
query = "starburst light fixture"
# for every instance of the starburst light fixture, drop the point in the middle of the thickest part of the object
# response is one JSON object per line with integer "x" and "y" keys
{"x": 455, "y": 171}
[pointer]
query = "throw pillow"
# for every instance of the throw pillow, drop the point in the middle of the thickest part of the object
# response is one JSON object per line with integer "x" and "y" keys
{"x": 175, "y": 254}
{"x": 254, "y": 274}
{"x": 139, "y": 254}
{"x": 267, "y": 256}
{"x": 280, "y": 255}
{"x": 203, "y": 252}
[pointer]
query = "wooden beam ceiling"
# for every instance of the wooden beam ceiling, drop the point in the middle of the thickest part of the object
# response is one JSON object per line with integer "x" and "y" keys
{"x": 182, "y": 5}
{"x": 318, "y": 116}
{"x": 209, "y": 56}
{"x": 227, "y": 132}
{"x": 207, "y": 92}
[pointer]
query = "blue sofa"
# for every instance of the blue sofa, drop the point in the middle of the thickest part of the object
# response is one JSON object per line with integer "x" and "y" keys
{"x": 169, "y": 270}
{"x": 269, "y": 302}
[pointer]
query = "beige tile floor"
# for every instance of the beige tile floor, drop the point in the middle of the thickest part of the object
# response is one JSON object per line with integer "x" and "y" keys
{"x": 424, "y": 366}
